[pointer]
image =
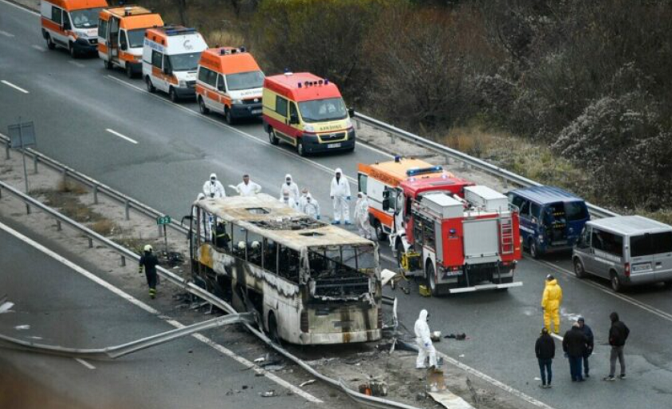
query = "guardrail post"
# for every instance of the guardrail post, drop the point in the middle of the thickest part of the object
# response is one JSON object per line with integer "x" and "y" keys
{"x": 359, "y": 124}
{"x": 123, "y": 261}
{"x": 90, "y": 242}
{"x": 506, "y": 183}
{"x": 7, "y": 151}
{"x": 27, "y": 208}
{"x": 35, "y": 163}
{"x": 95, "y": 194}
{"x": 447, "y": 158}
{"x": 392, "y": 138}
{"x": 127, "y": 206}
{"x": 58, "y": 225}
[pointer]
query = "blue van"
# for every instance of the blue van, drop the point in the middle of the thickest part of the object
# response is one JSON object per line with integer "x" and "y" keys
{"x": 551, "y": 219}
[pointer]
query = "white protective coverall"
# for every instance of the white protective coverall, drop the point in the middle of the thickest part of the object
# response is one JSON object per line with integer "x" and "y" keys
{"x": 422, "y": 338}
{"x": 340, "y": 194}
{"x": 310, "y": 206}
{"x": 287, "y": 201}
{"x": 362, "y": 216}
{"x": 248, "y": 189}
{"x": 213, "y": 187}
{"x": 290, "y": 187}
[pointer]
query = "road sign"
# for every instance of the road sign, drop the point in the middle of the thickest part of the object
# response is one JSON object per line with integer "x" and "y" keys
{"x": 163, "y": 220}
{"x": 21, "y": 135}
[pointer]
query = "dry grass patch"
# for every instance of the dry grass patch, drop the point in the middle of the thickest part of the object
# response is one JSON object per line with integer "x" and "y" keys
{"x": 473, "y": 141}
{"x": 69, "y": 186}
{"x": 105, "y": 227}
{"x": 132, "y": 243}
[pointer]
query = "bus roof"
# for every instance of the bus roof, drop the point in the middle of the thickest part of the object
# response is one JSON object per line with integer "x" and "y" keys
{"x": 228, "y": 60}
{"x": 70, "y": 5}
{"x": 133, "y": 17}
{"x": 299, "y": 86}
{"x": 265, "y": 215}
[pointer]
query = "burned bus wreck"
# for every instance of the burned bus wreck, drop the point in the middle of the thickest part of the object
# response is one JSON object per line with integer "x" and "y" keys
{"x": 310, "y": 282}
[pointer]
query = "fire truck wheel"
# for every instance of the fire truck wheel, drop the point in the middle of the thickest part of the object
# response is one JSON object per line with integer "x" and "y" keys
{"x": 172, "y": 94}
{"x": 150, "y": 86}
{"x": 201, "y": 106}
{"x": 400, "y": 252}
{"x": 429, "y": 275}
{"x": 50, "y": 43}
{"x": 229, "y": 117}
{"x": 380, "y": 233}
{"x": 534, "y": 252}
{"x": 272, "y": 138}
{"x": 615, "y": 282}
{"x": 579, "y": 271}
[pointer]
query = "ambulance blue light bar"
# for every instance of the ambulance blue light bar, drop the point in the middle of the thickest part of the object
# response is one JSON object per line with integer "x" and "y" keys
{"x": 423, "y": 171}
{"x": 174, "y": 31}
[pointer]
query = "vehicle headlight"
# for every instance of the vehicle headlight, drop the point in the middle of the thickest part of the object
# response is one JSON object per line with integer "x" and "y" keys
{"x": 348, "y": 123}
{"x": 237, "y": 101}
{"x": 182, "y": 84}
{"x": 309, "y": 128}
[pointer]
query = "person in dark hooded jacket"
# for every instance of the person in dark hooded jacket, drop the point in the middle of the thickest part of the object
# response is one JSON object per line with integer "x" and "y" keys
{"x": 591, "y": 344}
{"x": 545, "y": 350}
{"x": 618, "y": 334}
{"x": 574, "y": 344}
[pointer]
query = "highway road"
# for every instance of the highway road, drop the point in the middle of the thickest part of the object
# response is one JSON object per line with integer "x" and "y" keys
{"x": 56, "y": 304}
{"x": 74, "y": 103}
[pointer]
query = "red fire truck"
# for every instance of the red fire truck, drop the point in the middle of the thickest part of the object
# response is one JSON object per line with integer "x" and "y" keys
{"x": 457, "y": 236}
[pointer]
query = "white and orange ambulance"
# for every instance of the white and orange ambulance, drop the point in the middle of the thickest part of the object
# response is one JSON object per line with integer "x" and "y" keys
{"x": 170, "y": 60}
{"x": 229, "y": 82}
{"x": 71, "y": 24}
{"x": 121, "y": 34}
{"x": 307, "y": 112}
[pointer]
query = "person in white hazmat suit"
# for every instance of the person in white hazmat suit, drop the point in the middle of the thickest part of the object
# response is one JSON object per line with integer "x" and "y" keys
{"x": 288, "y": 201}
{"x": 291, "y": 188}
{"x": 213, "y": 188}
{"x": 362, "y": 216}
{"x": 424, "y": 342}
{"x": 248, "y": 187}
{"x": 194, "y": 216}
{"x": 310, "y": 206}
{"x": 340, "y": 195}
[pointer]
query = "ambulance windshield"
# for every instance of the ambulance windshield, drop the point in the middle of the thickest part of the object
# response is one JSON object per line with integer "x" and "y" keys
{"x": 87, "y": 18}
{"x": 136, "y": 37}
{"x": 321, "y": 110}
{"x": 184, "y": 62}
{"x": 245, "y": 80}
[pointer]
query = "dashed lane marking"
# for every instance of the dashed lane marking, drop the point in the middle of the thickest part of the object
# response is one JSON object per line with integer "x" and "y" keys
{"x": 248, "y": 364}
{"x": 86, "y": 364}
{"x": 77, "y": 64}
{"x": 38, "y": 48}
{"x": 6, "y": 34}
{"x": 16, "y": 87}
{"x": 113, "y": 132}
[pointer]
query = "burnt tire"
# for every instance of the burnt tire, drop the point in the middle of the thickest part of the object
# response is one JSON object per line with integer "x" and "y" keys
{"x": 579, "y": 270}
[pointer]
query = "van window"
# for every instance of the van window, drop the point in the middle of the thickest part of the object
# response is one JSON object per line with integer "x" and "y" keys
{"x": 330, "y": 109}
{"x": 221, "y": 85}
{"x": 102, "y": 28}
{"x": 515, "y": 200}
{"x": 136, "y": 37}
{"x": 525, "y": 208}
{"x": 245, "y": 80}
{"x": 56, "y": 15}
{"x": 293, "y": 111}
{"x": 203, "y": 74}
{"x": 536, "y": 210}
{"x": 650, "y": 243}
{"x": 157, "y": 58}
{"x": 85, "y": 18}
{"x": 607, "y": 242}
{"x": 281, "y": 105}
{"x": 576, "y": 211}
{"x": 123, "y": 41}
{"x": 212, "y": 79}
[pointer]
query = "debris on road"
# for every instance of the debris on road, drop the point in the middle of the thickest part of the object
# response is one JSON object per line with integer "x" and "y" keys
{"x": 435, "y": 336}
{"x": 306, "y": 383}
{"x": 435, "y": 381}
{"x": 449, "y": 400}
{"x": 424, "y": 291}
{"x": 22, "y": 327}
{"x": 268, "y": 394}
{"x": 459, "y": 337}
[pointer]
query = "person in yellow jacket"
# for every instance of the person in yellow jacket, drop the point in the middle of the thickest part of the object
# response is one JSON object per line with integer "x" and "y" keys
{"x": 550, "y": 303}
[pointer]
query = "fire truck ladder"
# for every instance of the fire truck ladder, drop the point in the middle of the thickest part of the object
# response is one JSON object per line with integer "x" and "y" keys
{"x": 506, "y": 236}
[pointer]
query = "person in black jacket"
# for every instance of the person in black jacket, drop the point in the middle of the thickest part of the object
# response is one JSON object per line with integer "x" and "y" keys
{"x": 574, "y": 344}
{"x": 149, "y": 262}
{"x": 591, "y": 343}
{"x": 545, "y": 350}
{"x": 618, "y": 334}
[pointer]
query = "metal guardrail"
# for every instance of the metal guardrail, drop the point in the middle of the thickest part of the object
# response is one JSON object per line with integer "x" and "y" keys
{"x": 470, "y": 160}
{"x": 97, "y": 187}
{"x": 206, "y": 296}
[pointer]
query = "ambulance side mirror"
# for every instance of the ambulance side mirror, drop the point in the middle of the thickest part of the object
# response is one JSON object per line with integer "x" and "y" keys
{"x": 124, "y": 46}
{"x": 66, "y": 25}
{"x": 351, "y": 112}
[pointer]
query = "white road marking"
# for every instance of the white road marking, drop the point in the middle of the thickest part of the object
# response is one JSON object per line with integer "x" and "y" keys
{"x": 233, "y": 129}
{"x": 248, "y": 364}
{"x": 113, "y": 132}
{"x": 556, "y": 336}
{"x": 20, "y": 8}
{"x": 6, "y": 34}
{"x": 86, "y": 364}
{"x": 16, "y": 87}
{"x": 653, "y": 310}
{"x": 38, "y": 48}
{"x": 80, "y": 65}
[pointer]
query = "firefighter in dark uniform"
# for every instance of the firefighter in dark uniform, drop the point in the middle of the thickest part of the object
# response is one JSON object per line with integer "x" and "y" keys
{"x": 149, "y": 262}
{"x": 221, "y": 238}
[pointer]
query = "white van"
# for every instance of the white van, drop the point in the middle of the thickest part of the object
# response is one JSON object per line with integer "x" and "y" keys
{"x": 170, "y": 60}
{"x": 627, "y": 250}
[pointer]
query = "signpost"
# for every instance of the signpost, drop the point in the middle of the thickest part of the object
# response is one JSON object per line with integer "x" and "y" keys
{"x": 22, "y": 135}
{"x": 163, "y": 221}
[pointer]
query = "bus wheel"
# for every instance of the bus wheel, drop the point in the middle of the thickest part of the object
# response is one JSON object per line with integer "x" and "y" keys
{"x": 380, "y": 233}
{"x": 228, "y": 116}
{"x": 272, "y": 138}
{"x": 273, "y": 329}
{"x": 299, "y": 149}
{"x": 150, "y": 86}
{"x": 201, "y": 106}
{"x": 431, "y": 281}
{"x": 50, "y": 43}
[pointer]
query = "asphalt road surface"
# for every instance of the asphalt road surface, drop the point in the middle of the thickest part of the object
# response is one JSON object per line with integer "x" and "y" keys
{"x": 73, "y": 103}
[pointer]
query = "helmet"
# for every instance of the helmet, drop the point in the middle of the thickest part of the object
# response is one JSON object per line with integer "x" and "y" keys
{"x": 241, "y": 245}
{"x": 148, "y": 248}
{"x": 255, "y": 245}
